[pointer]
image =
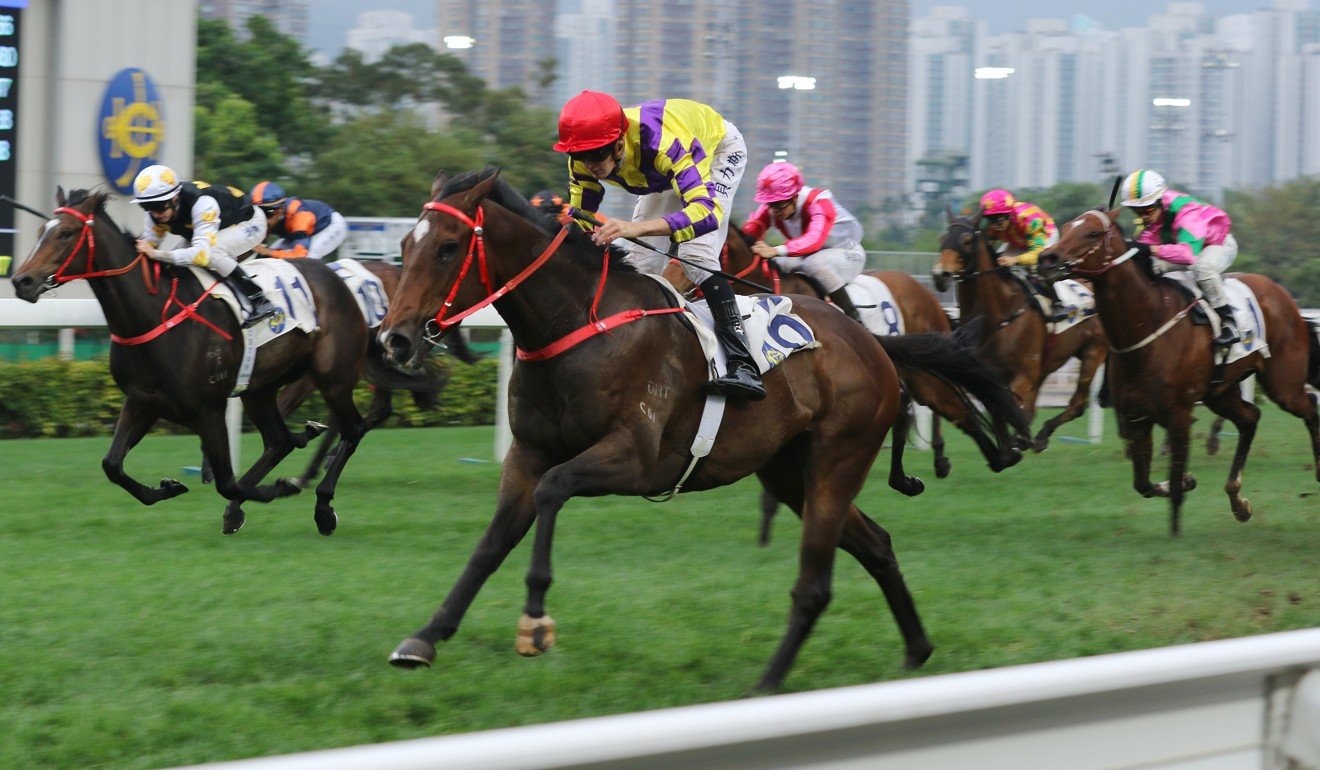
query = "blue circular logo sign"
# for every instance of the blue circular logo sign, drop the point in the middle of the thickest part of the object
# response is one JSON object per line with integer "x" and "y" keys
{"x": 131, "y": 129}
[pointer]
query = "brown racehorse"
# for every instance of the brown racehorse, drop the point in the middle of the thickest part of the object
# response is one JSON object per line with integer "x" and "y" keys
{"x": 1163, "y": 363}
{"x": 600, "y": 414}
{"x": 186, "y": 372}
{"x": 1017, "y": 337}
{"x": 921, "y": 312}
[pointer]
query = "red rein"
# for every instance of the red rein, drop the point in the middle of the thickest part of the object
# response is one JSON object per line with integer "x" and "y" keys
{"x": 477, "y": 249}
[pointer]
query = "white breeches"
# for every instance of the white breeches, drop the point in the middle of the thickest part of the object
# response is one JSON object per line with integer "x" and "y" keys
{"x": 324, "y": 242}
{"x": 1209, "y": 269}
{"x": 831, "y": 268}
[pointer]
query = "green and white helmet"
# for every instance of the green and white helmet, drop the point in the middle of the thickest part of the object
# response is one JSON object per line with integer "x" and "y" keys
{"x": 1143, "y": 187}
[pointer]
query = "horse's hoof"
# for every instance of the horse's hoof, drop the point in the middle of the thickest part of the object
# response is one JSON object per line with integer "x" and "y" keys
{"x": 1212, "y": 447}
{"x": 1242, "y": 511}
{"x": 916, "y": 658}
{"x": 413, "y": 653}
{"x": 942, "y": 467}
{"x": 326, "y": 521}
{"x": 1189, "y": 483}
{"x": 233, "y": 523}
{"x": 288, "y": 487}
{"x": 1040, "y": 444}
{"x": 171, "y": 488}
{"x": 316, "y": 428}
{"x": 535, "y": 635}
{"x": 911, "y": 486}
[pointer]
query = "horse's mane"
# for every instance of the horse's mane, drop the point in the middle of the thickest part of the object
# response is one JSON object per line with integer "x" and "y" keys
{"x": 98, "y": 199}
{"x": 578, "y": 243}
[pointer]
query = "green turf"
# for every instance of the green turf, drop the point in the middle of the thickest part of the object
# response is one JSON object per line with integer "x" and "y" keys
{"x": 140, "y": 637}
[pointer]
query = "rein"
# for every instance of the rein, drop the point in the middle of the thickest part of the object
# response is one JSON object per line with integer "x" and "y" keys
{"x": 477, "y": 249}
{"x": 87, "y": 236}
{"x": 759, "y": 263}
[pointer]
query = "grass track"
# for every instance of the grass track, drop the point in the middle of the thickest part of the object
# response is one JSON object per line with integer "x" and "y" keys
{"x": 140, "y": 637}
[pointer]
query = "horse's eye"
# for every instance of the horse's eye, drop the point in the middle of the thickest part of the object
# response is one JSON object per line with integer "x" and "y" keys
{"x": 446, "y": 251}
{"x": 66, "y": 234}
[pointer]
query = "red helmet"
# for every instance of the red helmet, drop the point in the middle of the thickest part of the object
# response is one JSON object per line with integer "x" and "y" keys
{"x": 589, "y": 121}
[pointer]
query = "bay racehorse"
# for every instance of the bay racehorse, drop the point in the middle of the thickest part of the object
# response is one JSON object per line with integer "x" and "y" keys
{"x": 1017, "y": 336}
{"x": 176, "y": 356}
{"x": 921, "y": 313}
{"x": 606, "y": 397}
{"x": 1163, "y": 363}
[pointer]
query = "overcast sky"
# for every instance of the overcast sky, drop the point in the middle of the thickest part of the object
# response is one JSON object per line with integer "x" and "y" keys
{"x": 330, "y": 19}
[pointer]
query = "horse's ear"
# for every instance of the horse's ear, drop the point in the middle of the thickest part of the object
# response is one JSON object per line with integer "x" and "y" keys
{"x": 481, "y": 189}
{"x": 438, "y": 184}
{"x": 59, "y": 196}
{"x": 948, "y": 214}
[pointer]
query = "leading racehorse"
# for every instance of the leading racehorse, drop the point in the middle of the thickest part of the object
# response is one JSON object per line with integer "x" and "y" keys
{"x": 606, "y": 398}
{"x": 1017, "y": 337}
{"x": 1163, "y": 363}
{"x": 176, "y": 356}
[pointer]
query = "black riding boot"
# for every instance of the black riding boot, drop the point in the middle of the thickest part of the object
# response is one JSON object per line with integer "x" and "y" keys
{"x": 261, "y": 307}
{"x": 1228, "y": 333}
{"x": 845, "y": 304}
{"x": 743, "y": 380}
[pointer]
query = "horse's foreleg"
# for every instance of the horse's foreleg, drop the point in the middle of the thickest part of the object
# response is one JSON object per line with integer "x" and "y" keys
{"x": 1180, "y": 442}
{"x": 1076, "y": 404}
{"x": 1244, "y": 415}
{"x": 871, "y": 545}
{"x": 769, "y": 504}
{"x": 351, "y": 429}
{"x": 277, "y": 442}
{"x": 1137, "y": 439}
{"x": 513, "y": 518}
{"x": 1212, "y": 440}
{"x": 898, "y": 435}
{"x": 135, "y": 420}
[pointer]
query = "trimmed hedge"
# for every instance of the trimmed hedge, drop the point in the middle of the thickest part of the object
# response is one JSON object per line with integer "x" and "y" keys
{"x": 50, "y": 398}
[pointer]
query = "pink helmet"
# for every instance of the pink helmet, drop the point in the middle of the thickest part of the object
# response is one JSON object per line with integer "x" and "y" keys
{"x": 997, "y": 201}
{"x": 778, "y": 182}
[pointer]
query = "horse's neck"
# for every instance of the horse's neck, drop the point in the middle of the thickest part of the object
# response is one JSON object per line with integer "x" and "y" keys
{"x": 1130, "y": 305}
{"x": 129, "y": 308}
{"x": 991, "y": 293}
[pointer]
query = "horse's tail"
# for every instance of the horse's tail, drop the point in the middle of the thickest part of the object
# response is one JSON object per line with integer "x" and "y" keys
{"x": 424, "y": 384}
{"x": 952, "y": 359}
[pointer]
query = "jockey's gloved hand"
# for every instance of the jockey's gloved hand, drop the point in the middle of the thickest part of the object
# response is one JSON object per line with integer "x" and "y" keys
{"x": 1143, "y": 249}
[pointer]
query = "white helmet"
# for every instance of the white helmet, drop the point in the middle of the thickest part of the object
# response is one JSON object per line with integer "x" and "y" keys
{"x": 1143, "y": 188}
{"x": 156, "y": 183}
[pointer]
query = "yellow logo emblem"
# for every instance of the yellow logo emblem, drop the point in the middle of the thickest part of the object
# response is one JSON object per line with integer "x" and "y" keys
{"x": 131, "y": 128}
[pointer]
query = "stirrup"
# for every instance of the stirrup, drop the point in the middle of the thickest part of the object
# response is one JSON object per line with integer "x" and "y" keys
{"x": 261, "y": 313}
{"x": 737, "y": 384}
{"x": 1227, "y": 336}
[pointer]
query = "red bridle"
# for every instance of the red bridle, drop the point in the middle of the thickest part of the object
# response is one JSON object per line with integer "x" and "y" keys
{"x": 477, "y": 249}
{"x": 86, "y": 236}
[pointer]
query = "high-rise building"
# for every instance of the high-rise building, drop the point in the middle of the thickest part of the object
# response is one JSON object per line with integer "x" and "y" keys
{"x": 379, "y": 31}
{"x": 503, "y": 42}
{"x": 288, "y": 16}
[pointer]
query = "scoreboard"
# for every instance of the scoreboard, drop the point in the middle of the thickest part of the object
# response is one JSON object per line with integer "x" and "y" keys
{"x": 11, "y": 16}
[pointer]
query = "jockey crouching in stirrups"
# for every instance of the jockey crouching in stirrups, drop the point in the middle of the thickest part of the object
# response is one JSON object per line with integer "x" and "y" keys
{"x": 1018, "y": 231}
{"x": 219, "y": 223}
{"x": 824, "y": 238}
{"x": 1184, "y": 231}
{"x": 684, "y": 162}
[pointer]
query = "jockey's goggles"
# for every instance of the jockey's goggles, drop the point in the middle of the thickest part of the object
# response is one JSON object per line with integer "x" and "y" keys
{"x": 593, "y": 156}
{"x": 781, "y": 205}
{"x": 164, "y": 205}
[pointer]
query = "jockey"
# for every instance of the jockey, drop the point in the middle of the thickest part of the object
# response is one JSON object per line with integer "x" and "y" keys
{"x": 1018, "y": 232}
{"x": 684, "y": 162}
{"x": 220, "y": 223}
{"x": 305, "y": 227}
{"x": 824, "y": 239}
{"x": 1184, "y": 231}
{"x": 549, "y": 203}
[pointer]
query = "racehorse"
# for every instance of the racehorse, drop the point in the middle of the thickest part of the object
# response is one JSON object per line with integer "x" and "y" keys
{"x": 921, "y": 312}
{"x": 177, "y": 356}
{"x": 1163, "y": 363}
{"x": 605, "y": 399}
{"x": 1017, "y": 338}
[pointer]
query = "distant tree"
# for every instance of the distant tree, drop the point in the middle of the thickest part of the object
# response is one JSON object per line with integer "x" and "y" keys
{"x": 1278, "y": 234}
{"x": 232, "y": 146}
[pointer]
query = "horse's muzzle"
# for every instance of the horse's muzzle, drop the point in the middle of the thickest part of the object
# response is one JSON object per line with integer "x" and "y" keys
{"x": 28, "y": 288}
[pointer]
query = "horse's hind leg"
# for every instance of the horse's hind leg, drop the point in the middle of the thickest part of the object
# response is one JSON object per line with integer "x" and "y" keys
{"x": 898, "y": 478}
{"x": 769, "y": 504}
{"x": 351, "y": 428}
{"x": 942, "y": 464}
{"x": 1179, "y": 483}
{"x": 513, "y": 517}
{"x": 135, "y": 420}
{"x": 1244, "y": 415}
{"x": 872, "y": 547}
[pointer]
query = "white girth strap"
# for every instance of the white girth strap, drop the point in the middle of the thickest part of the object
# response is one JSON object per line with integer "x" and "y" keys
{"x": 249, "y": 358}
{"x": 712, "y": 414}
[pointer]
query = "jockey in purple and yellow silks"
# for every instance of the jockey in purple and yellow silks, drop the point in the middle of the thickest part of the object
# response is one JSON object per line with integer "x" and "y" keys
{"x": 1185, "y": 232}
{"x": 684, "y": 162}
{"x": 1017, "y": 232}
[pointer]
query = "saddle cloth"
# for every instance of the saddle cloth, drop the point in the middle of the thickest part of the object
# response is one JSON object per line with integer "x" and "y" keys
{"x": 284, "y": 287}
{"x": 1246, "y": 312}
{"x": 1076, "y": 297}
{"x": 367, "y": 289}
{"x": 773, "y": 331}
{"x": 875, "y": 304}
